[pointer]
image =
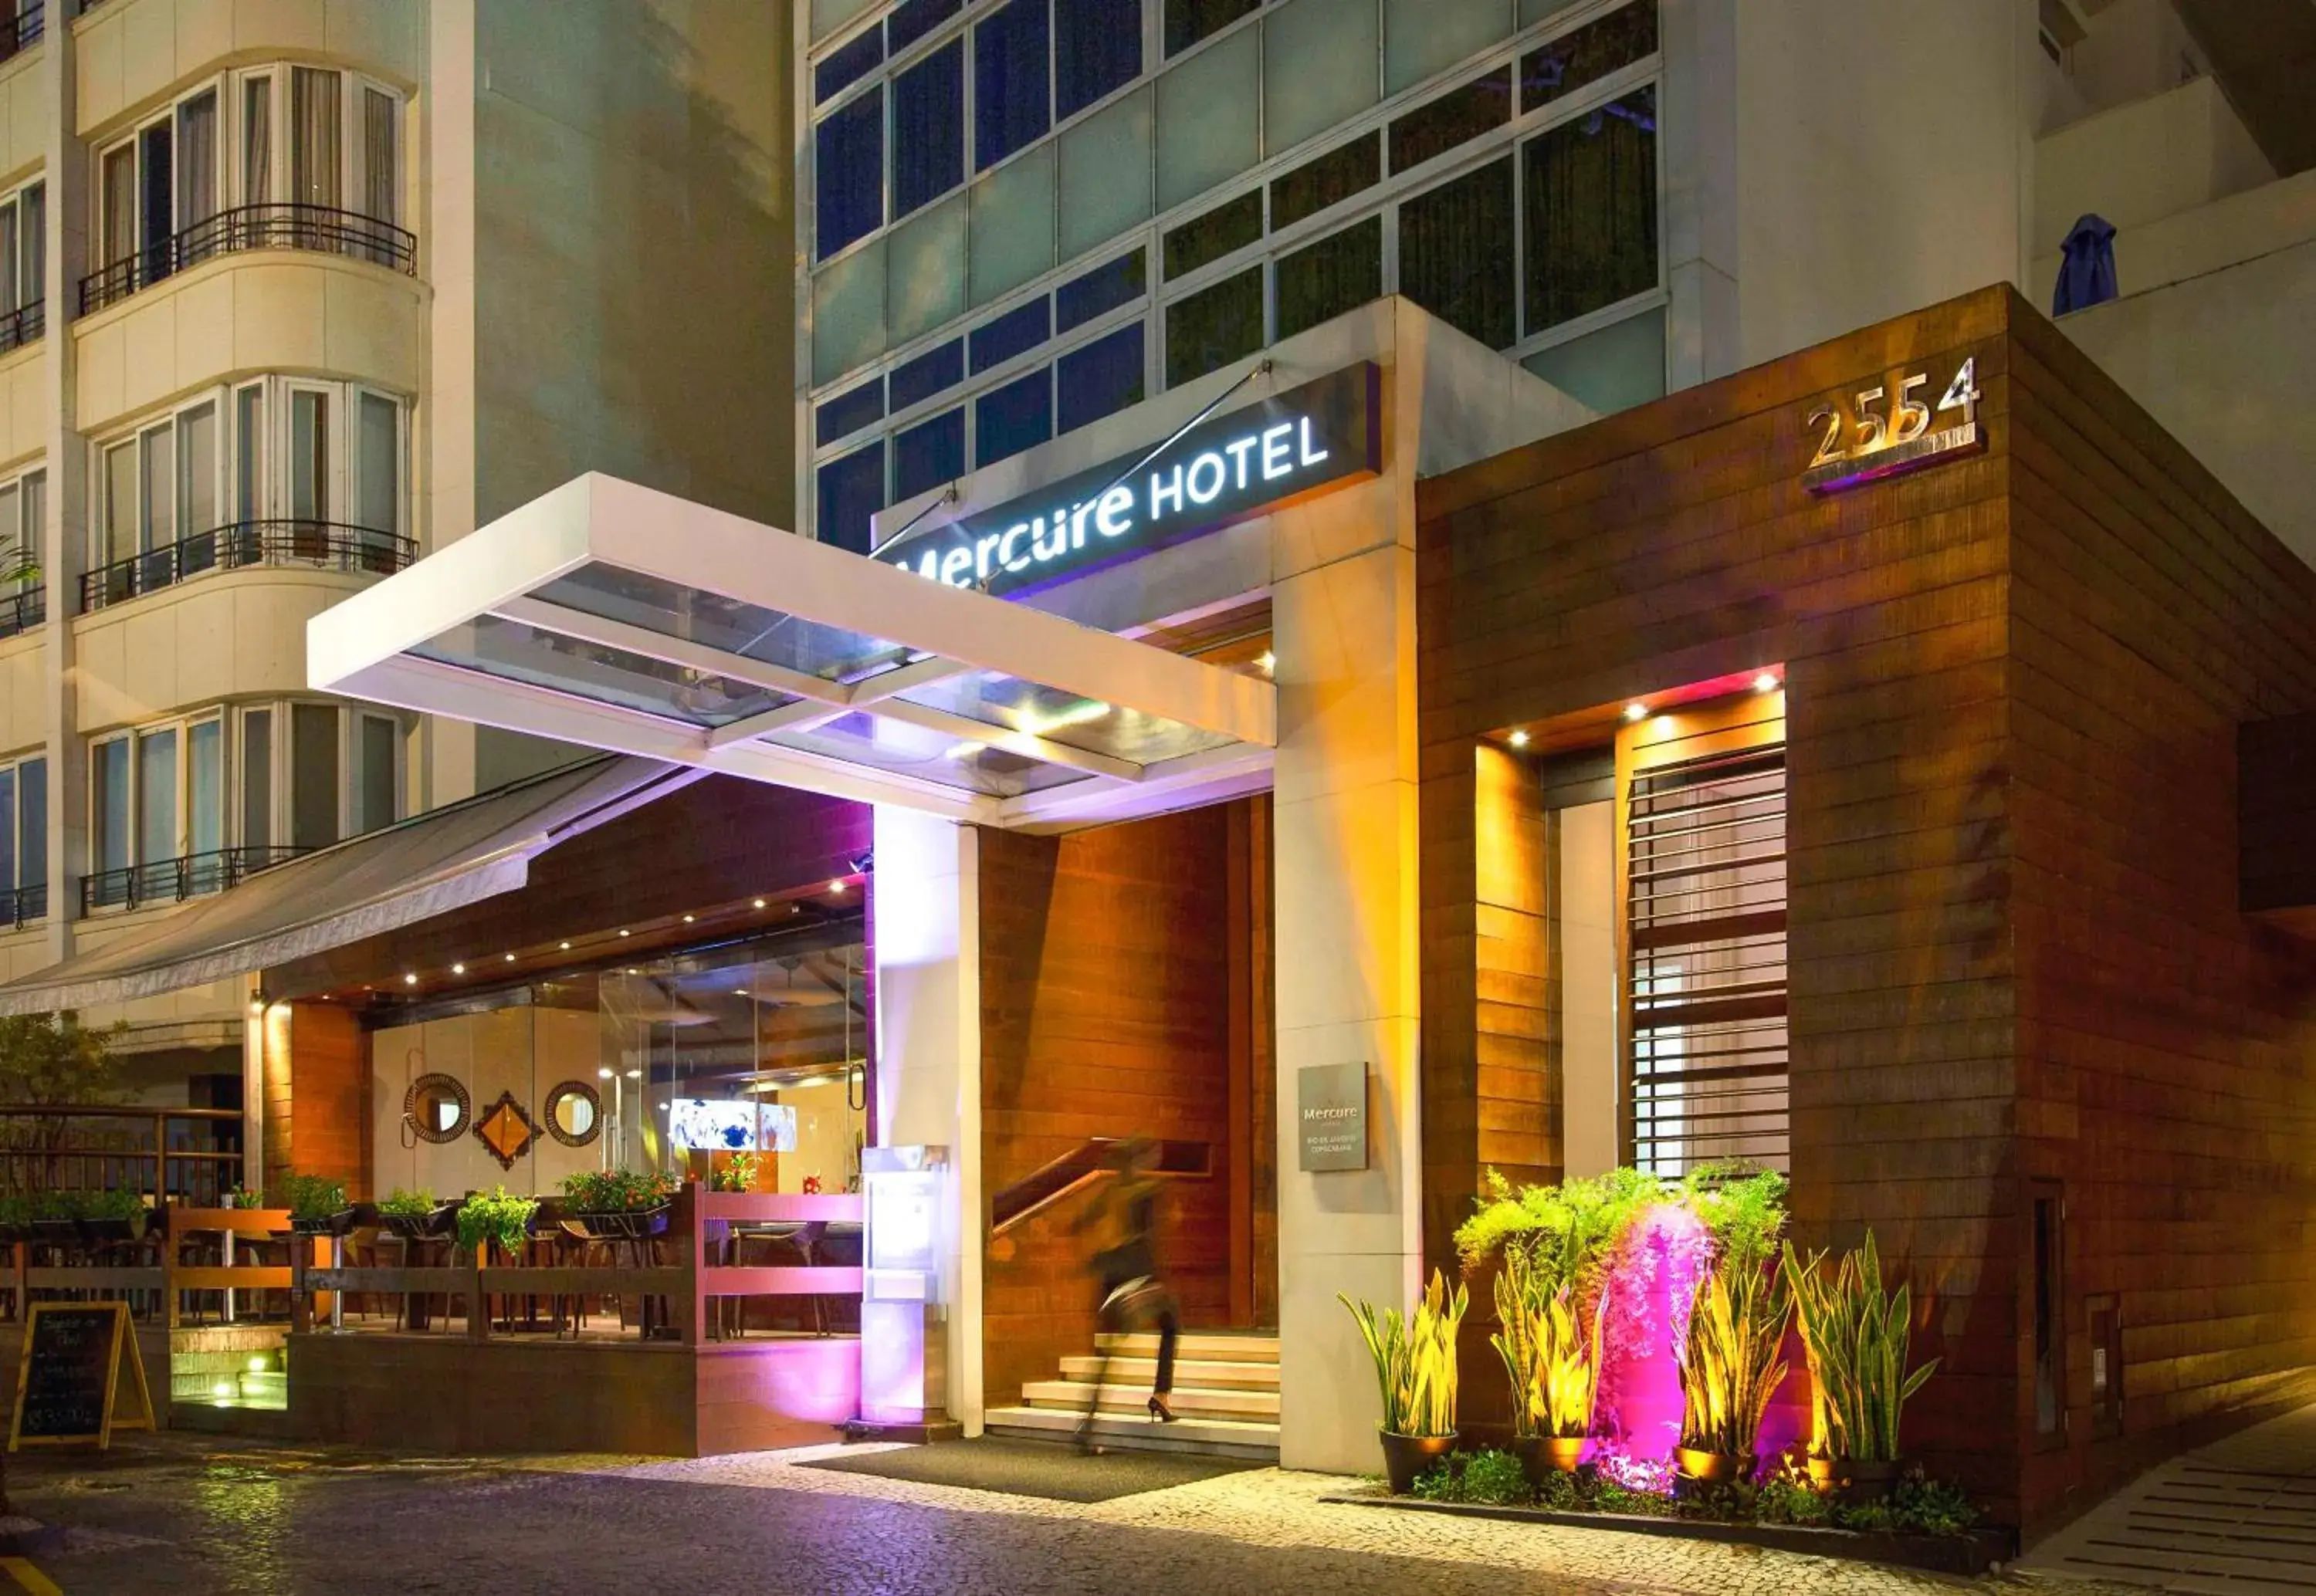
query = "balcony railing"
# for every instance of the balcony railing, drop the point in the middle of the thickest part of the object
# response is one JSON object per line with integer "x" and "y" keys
{"x": 173, "y": 880}
{"x": 21, "y": 30}
{"x": 23, "y": 324}
{"x": 21, "y": 906}
{"x": 20, "y": 612}
{"x": 272, "y": 226}
{"x": 316, "y": 545}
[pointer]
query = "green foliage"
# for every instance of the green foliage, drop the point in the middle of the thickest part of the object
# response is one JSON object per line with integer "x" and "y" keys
{"x": 49, "y": 1059}
{"x": 1729, "y": 1365}
{"x": 619, "y": 1191}
{"x": 496, "y": 1215}
{"x": 309, "y": 1196}
{"x": 1934, "y": 1507}
{"x": 1788, "y": 1497}
{"x": 400, "y": 1204}
{"x": 738, "y": 1174}
{"x": 108, "y": 1205}
{"x": 1744, "y": 1210}
{"x": 1415, "y": 1359}
{"x": 1492, "y": 1477}
{"x": 1565, "y": 1232}
{"x": 1857, "y": 1338}
{"x": 54, "y": 1205}
{"x": 235, "y": 1197}
{"x": 1613, "y": 1498}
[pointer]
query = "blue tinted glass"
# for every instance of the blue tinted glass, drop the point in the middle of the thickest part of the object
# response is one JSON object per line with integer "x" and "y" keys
{"x": 849, "y": 412}
{"x": 32, "y": 814}
{"x": 1104, "y": 288}
{"x": 1102, "y": 377}
{"x": 852, "y": 489}
{"x": 998, "y": 341}
{"x": 1008, "y": 420}
{"x": 929, "y": 455}
{"x": 1011, "y": 104}
{"x": 1097, "y": 48}
{"x": 929, "y": 374}
{"x": 929, "y": 129}
{"x": 848, "y": 66}
{"x": 913, "y": 21}
{"x": 848, "y": 171}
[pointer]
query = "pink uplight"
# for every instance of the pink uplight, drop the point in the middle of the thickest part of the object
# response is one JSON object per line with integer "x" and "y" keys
{"x": 1651, "y": 1279}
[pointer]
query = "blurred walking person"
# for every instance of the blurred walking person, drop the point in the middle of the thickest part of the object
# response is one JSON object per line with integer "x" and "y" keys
{"x": 1131, "y": 1296}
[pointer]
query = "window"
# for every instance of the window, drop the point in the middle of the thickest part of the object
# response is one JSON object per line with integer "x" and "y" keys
{"x": 848, "y": 64}
{"x": 1096, "y": 48}
{"x": 24, "y": 515}
{"x": 314, "y": 791}
{"x": 377, "y": 783}
{"x": 1099, "y": 379}
{"x": 1457, "y": 117}
{"x": 852, "y": 492}
{"x": 1568, "y": 63}
{"x": 257, "y": 828}
{"x": 929, "y": 374}
{"x": 1322, "y": 280}
{"x": 929, "y": 129}
{"x": 849, "y": 173}
{"x": 23, "y": 265}
{"x": 929, "y": 454}
{"x": 1099, "y": 291}
{"x": 23, "y": 839}
{"x": 1015, "y": 332}
{"x": 1232, "y": 225}
{"x": 912, "y": 20}
{"x": 1017, "y": 416}
{"x": 1012, "y": 107}
{"x": 1452, "y": 259}
{"x": 1189, "y": 20}
{"x": 1592, "y": 206}
{"x": 1214, "y": 326}
{"x": 317, "y": 166}
{"x": 1337, "y": 175}
{"x": 848, "y": 412}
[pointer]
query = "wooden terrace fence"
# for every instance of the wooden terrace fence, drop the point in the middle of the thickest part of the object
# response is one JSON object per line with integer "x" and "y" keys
{"x": 172, "y": 1275}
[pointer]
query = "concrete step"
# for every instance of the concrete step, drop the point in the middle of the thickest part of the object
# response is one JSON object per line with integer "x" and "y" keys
{"x": 1188, "y": 1401}
{"x": 1208, "y": 1346}
{"x": 1199, "y": 1373}
{"x": 1217, "y": 1438}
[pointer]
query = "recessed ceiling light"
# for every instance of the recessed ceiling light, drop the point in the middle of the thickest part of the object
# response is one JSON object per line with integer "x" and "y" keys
{"x": 637, "y": 1075}
{"x": 1266, "y": 661}
{"x": 410, "y": 979}
{"x": 510, "y": 958}
{"x": 1766, "y": 682}
{"x": 760, "y": 903}
{"x": 634, "y": 973}
{"x": 566, "y": 946}
{"x": 458, "y": 969}
{"x": 836, "y": 886}
{"x": 688, "y": 919}
{"x": 739, "y": 991}
{"x": 1518, "y": 740}
{"x": 1636, "y": 712}
{"x": 625, "y": 932}
{"x": 605, "y": 1073}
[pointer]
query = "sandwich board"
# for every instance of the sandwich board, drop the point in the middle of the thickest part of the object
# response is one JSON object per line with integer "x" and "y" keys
{"x": 69, "y": 1386}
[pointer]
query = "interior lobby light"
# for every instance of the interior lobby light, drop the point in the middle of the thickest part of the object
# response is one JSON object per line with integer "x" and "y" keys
{"x": 739, "y": 991}
{"x": 1518, "y": 740}
{"x": 605, "y": 1072}
{"x": 1636, "y": 712}
{"x": 1766, "y": 682}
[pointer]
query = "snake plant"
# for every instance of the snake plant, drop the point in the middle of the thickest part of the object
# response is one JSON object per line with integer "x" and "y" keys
{"x": 1857, "y": 1337}
{"x": 1728, "y": 1363}
{"x": 1554, "y": 1365}
{"x": 1415, "y": 1358}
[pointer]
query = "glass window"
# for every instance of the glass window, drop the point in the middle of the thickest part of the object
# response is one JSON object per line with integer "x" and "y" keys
{"x": 7, "y": 829}
{"x": 1452, "y": 259}
{"x": 158, "y": 446}
{"x": 1422, "y": 37}
{"x": 1318, "y": 68}
{"x": 925, "y": 286}
{"x": 929, "y": 454}
{"x": 1614, "y": 368}
{"x": 1017, "y": 416}
{"x": 1099, "y": 291}
{"x": 1593, "y": 52}
{"x": 197, "y": 159}
{"x": 257, "y": 778}
{"x": 197, "y": 470}
{"x": 852, "y": 492}
{"x": 118, "y": 180}
{"x": 1099, "y": 379}
{"x": 1207, "y": 111}
{"x": 11, "y": 287}
{"x": 1460, "y": 115}
{"x": 1322, "y": 280}
{"x": 848, "y": 171}
{"x": 929, "y": 129}
{"x": 376, "y": 791}
{"x": 256, "y": 140}
{"x": 249, "y": 453}
{"x": 919, "y": 379}
{"x": 35, "y": 484}
{"x": 1012, "y": 224}
{"x": 108, "y": 804}
{"x": 155, "y": 151}
{"x": 1105, "y": 174}
{"x": 313, "y": 774}
{"x": 378, "y": 464}
{"x": 1018, "y": 330}
{"x": 847, "y": 65}
{"x": 1096, "y": 48}
{"x": 1214, "y": 326}
{"x": 1012, "y": 105}
{"x": 32, "y": 815}
{"x": 316, "y": 165}
{"x": 121, "y": 520}
{"x": 205, "y": 786}
{"x": 914, "y": 19}
{"x": 849, "y": 412}
{"x": 1342, "y": 172}
{"x": 1232, "y": 225}
{"x": 30, "y": 257}
{"x": 381, "y": 167}
{"x": 1189, "y": 20}
{"x": 157, "y": 796}
{"x": 848, "y": 313}
{"x": 1592, "y": 210}
{"x": 309, "y": 455}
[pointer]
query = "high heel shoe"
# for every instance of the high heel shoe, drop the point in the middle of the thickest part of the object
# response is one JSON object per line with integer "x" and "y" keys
{"x": 1160, "y": 1411}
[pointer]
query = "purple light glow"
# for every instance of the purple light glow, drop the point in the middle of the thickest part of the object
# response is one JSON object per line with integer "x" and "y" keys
{"x": 1651, "y": 1279}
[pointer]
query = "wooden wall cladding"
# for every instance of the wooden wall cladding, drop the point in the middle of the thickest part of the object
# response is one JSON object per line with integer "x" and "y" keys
{"x": 1517, "y": 1129}
{"x": 329, "y": 1085}
{"x": 2014, "y": 685}
{"x": 1106, "y": 1011}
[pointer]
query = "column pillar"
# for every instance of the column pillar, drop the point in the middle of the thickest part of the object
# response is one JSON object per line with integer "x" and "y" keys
{"x": 64, "y": 534}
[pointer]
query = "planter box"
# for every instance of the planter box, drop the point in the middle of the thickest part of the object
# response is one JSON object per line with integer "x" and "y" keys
{"x": 439, "y": 1220}
{"x": 636, "y": 1224}
{"x": 1964, "y": 1554}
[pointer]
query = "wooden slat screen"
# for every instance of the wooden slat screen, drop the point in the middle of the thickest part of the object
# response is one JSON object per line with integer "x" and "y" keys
{"x": 1707, "y": 979}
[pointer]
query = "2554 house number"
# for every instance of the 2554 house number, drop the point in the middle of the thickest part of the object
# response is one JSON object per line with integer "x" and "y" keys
{"x": 1888, "y": 429}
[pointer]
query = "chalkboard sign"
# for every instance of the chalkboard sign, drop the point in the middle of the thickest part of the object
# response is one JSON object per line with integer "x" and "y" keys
{"x": 70, "y": 1379}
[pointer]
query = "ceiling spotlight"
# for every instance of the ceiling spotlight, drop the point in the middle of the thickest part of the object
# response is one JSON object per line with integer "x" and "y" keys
{"x": 688, "y": 919}
{"x": 458, "y": 969}
{"x": 606, "y": 1073}
{"x": 739, "y": 991}
{"x": 634, "y": 973}
{"x": 760, "y": 903}
{"x": 510, "y": 958}
{"x": 637, "y": 1075}
{"x": 564, "y": 946}
{"x": 1266, "y": 661}
{"x": 625, "y": 932}
{"x": 1766, "y": 682}
{"x": 1518, "y": 740}
{"x": 257, "y": 1002}
{"x": 836, "y": 886}
{"x": 1636, "y": 712}
{"x": 410, "y": 978}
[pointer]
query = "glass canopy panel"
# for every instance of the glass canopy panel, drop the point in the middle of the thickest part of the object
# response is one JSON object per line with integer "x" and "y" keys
{"x": 895, "y": 745}
{"x": 1009, "y": 703}
{"x": 517, "y": 653}
{"x": 714, "y": 621}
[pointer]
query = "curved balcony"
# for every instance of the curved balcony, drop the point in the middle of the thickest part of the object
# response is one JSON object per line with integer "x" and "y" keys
{"x": 296, "y": 545}
{"x": 173, "y": 880}
{"x": 315, "y": 228}
{"x": 22, "y": 611}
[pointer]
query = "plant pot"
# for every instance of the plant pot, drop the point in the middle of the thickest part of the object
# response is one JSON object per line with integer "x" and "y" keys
{"x": 1543, "y": 1456}
{"x": 633, "y": 1224}
{"x": 1711, "y": 1469}
{"x": 1867, "y": 1479}
{"x": 340, "y": 1223}
{"x": 1565, "y": 1452}
{"x": 98, "y": 1232}
{"x": 1405, "y": 1457}
{"x": 435, "y": 1221}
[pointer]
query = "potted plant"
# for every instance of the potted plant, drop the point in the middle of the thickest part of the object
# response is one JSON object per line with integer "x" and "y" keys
{"x": 738, "y": 1172}
{"x": 51, "y": 1218}
{"x": 1856, "y": 1338}
{"x": 1729, "y": 1366}
{"x": 1415, "y": 1372}
{"x": 15, "y": 1217}
{"x": 317, "y": 1204}
{"x": 496, "y": 1217}
{"x": 415, "y": 1216}
{"x": 109, "y": 1216}
{"x": 619, "y": 1205}
{"x": 235, "y": 1197}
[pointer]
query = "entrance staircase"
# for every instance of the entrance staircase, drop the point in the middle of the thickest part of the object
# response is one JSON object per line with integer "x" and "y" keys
{"x": 1225, "y": 1397}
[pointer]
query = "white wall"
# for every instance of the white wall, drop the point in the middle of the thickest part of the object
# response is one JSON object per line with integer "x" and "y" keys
{"x": 2143, "y": 162}
{"x": 526, "y": 1050}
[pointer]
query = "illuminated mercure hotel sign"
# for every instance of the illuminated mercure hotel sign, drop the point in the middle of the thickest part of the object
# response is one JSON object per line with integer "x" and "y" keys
{"x": 1224, "y": 469}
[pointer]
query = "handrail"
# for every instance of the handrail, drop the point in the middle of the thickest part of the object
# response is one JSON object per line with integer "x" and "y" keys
{"x": 21, "y": 906}
{"x": 1080, "y": 1167}
{"x": 277, "y": 541}
{"x": 25, "y": 324}
{"x": 22, "y": 30}
{"x": 86, "y": 1154}
{"x": 23, "y": 610}
{"x": 270, "y": 225}
{"x": 174, "y": 880}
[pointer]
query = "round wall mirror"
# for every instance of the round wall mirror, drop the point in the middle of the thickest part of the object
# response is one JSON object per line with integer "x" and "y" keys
{"x": 437, "y": 1106}
{"x": 574, "y": 1113}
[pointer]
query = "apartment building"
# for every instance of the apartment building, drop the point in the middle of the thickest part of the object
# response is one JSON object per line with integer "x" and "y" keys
{"x": 295, "y": 291}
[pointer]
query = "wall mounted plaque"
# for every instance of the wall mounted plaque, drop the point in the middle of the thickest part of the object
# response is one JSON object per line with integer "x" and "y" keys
{"x": 1331, "y": 1116}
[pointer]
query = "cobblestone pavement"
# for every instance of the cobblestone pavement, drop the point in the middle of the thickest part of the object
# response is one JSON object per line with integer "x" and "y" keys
{"x": 192, "y": 1516}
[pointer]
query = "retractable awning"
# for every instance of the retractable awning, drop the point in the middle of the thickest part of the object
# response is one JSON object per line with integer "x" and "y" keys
{"x": 439, "y": 861}
{"x": 627, "y": 619}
